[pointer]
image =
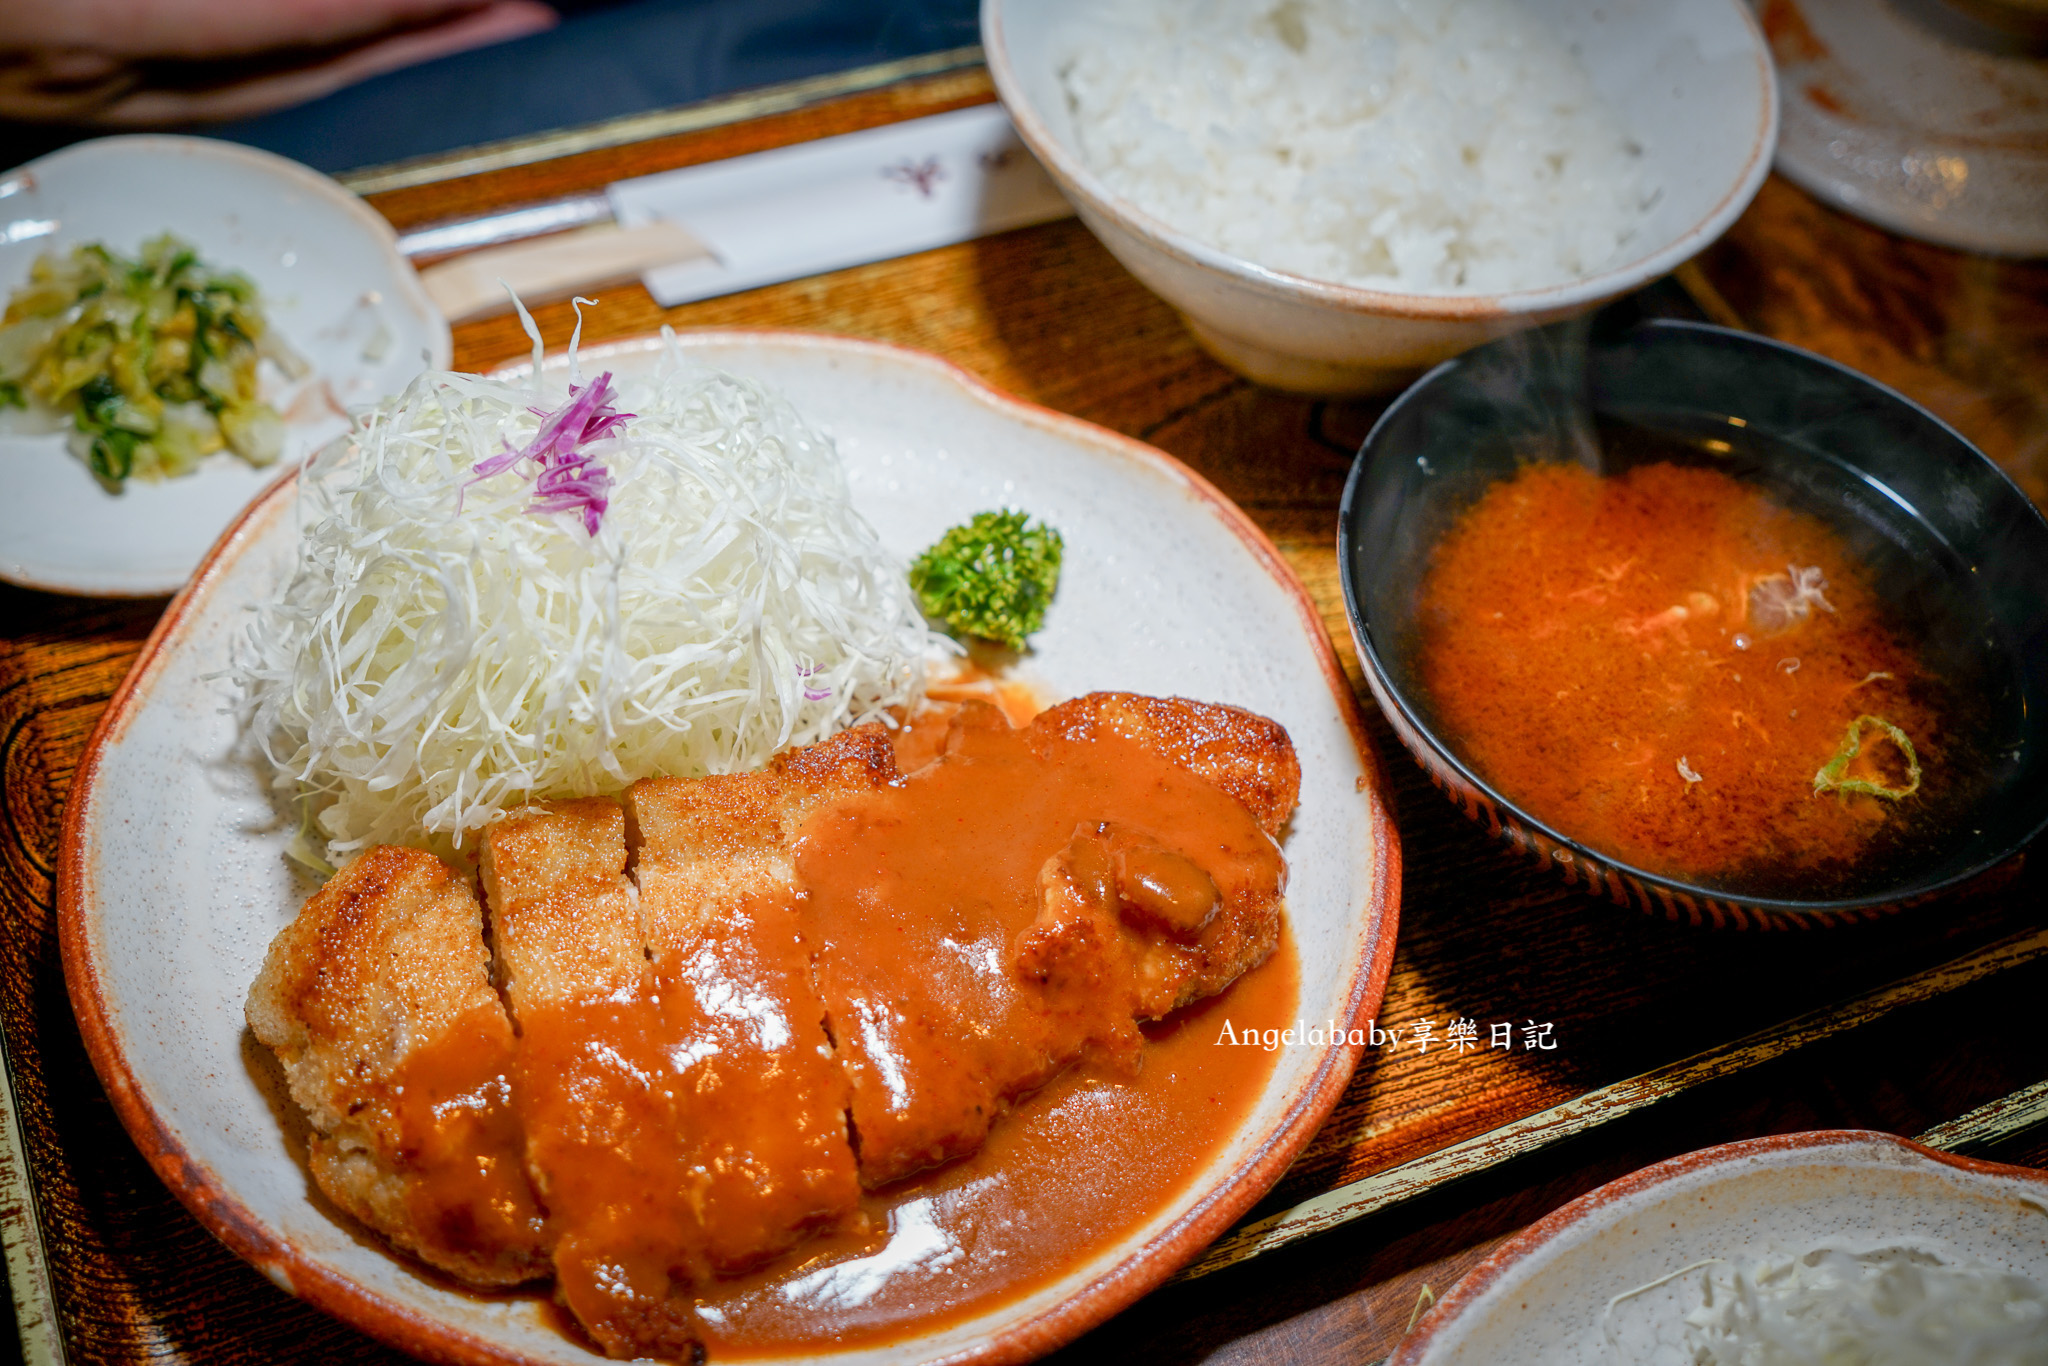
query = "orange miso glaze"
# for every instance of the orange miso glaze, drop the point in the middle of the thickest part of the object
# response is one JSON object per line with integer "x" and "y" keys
{"x": 918, "y": 900}
{"x": 1657, "y": 664}
{"x": 1077, "y": 1163}
{"x": 459, "y": 1130}
{"x": 1005, "y": 1123}
{"x": 597, "y": 1108}
{"x": 1015, "y": 698}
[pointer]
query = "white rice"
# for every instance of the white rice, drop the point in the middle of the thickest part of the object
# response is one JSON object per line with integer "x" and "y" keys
{"x": 1423, "y": 146}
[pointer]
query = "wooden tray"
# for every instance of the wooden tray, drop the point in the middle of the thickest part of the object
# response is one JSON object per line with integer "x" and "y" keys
{"x": 1662, "y": 1038}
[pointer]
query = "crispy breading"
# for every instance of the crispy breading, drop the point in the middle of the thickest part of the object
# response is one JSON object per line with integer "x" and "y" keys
{"x": 976, "y": 934}
{"x": 595, "y": 1081}
{"x": 761, "y": 1096}
{"x": 562, "y": 914}
{"x": 1245, "y": 754}
{"x": 820, "y": 944}
{"x": 733, "y": 827}
{"x": 377, "y": 1001}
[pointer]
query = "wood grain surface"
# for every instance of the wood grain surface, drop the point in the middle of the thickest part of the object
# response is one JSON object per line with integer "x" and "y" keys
{"x": 1047, "y": 314}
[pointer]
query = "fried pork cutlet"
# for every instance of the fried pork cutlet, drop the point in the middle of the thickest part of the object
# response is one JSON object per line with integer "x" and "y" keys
{"x": 597, "y": 1092}
{"x": 991, "y": 918}
{"x": 376, "y": 1001}
{"x": 1185, "y": 956}
{"x": 762, "y": 1099}
{"x": 1239, "y": 751}
{"x": 821, "y": 976}
{"x": 685, "y": 1117}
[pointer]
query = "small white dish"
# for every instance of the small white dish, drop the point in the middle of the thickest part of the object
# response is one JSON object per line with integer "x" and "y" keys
{"x": 1917, "y": 118}
{"x": 332, "y": 283}
{"x": 1692, "y": 82}
{"x": 1541, "y": 1298}
{"x": 175, "y": 876}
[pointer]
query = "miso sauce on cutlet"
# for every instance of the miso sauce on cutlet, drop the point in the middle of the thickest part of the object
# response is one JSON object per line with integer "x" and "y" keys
{"x": 816, "y": 1085}
{"x": 1084, "y": 1158}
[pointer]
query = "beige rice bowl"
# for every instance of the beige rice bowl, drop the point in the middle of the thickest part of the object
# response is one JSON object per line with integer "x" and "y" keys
{"x": 1339, "y": 192}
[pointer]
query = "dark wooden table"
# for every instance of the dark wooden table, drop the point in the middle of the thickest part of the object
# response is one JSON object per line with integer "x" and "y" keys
{"x": 1047, "y": 314}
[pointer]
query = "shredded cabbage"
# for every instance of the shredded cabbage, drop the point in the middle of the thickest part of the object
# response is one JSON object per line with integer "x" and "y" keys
{"x": 1889, "y": 1306}
{"x": 443, "y": 654}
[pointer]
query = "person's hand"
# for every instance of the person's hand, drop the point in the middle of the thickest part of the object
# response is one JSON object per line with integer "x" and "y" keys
{"x": 141, "y": 63}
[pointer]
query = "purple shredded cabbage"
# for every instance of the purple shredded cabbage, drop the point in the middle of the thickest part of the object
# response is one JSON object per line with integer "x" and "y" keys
{"x": 570, "y": 479}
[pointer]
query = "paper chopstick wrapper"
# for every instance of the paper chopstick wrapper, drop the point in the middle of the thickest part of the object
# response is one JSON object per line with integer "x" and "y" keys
{"x": 842, "y": 201}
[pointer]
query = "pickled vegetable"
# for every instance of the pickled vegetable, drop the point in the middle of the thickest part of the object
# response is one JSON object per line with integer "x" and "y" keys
{"x": 153, "y": 358}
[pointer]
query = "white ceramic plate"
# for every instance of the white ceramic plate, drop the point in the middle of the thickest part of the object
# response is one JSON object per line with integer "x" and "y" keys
{"x": 1916, "y": 118}
{"x": 333, "y": 285}
{"x": 1541, "y": 1298}
{"x": 175, "y": 877}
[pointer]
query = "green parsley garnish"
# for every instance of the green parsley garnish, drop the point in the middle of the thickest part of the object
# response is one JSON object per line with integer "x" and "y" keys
{"x": 1835, "y": 776}
{"x": 992, "y": 577}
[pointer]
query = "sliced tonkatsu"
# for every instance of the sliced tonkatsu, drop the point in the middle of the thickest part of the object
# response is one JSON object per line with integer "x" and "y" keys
{"x": 377, "y": 1002}
{"x": 597, "y": 1088}
{"x": 1191, "y": 951}
{"x": 732, "y": 1003}
{"x": 1245, "y": 754}
{"x": 1029, "y": 899}
{"x": 761, "y": 1095}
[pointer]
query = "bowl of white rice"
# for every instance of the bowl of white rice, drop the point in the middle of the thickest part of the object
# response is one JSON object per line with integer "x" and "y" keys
{"x": 1337, "y": 194}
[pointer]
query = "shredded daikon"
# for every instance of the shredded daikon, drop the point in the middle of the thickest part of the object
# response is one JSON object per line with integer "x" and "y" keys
{"x": 1887, "y": 1306}
{"x": 442, "y": 654}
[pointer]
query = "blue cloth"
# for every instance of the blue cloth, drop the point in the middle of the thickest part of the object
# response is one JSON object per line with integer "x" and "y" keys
{"x": 604, "y": 60}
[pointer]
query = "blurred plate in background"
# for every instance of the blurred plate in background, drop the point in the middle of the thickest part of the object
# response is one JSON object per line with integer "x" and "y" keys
{"x": 1593, "y": 1283}
{"x": 1917, "y": 118}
